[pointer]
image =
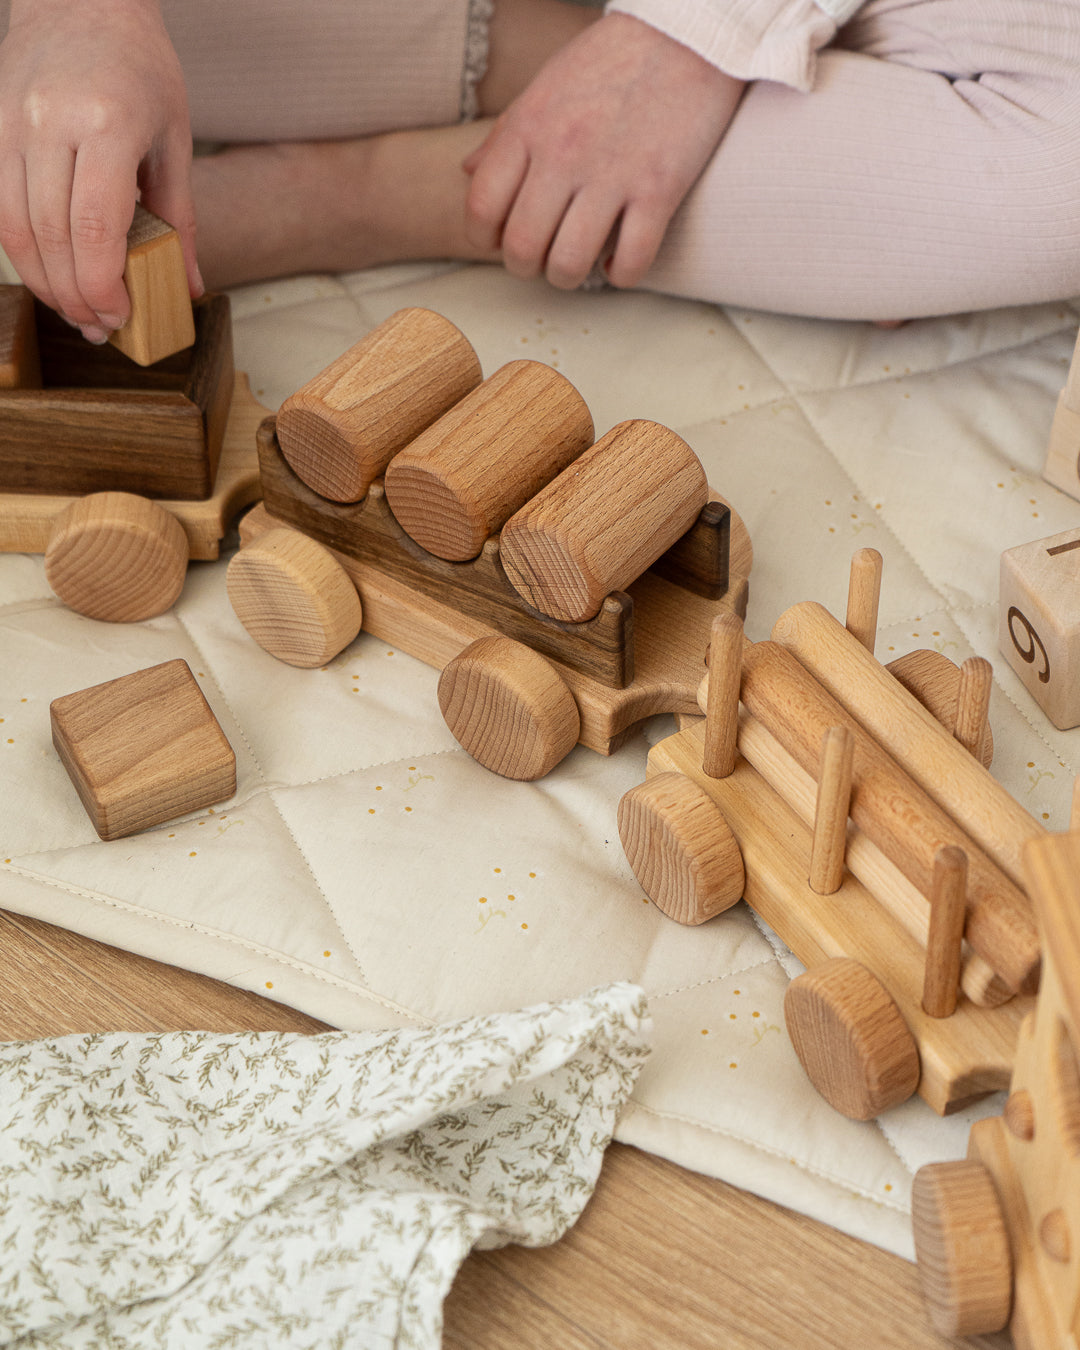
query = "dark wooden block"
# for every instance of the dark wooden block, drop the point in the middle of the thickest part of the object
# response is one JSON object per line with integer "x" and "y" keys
{"x": 101, "y": 423}
{"x": 143, "y": 749}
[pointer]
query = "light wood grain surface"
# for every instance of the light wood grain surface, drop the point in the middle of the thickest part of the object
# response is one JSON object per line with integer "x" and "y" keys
{"x": 662, "y": 1259}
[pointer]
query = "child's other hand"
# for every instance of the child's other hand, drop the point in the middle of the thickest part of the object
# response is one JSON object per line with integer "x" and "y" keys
{"x": 92, "y": 108}
{"x": 609, "y": 136}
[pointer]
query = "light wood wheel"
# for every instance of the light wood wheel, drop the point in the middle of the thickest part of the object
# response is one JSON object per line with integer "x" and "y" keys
{"x": 962, "y": 1247}
{"x": 681, "y": 848}
{"x": 509, "y": 708}
{"x": 851, "y": 1038}
{"x": 294, "y": 598}
{"x": 117, "y": 556}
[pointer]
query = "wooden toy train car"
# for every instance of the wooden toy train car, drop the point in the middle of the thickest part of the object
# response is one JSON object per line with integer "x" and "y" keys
{"x": 997, "y": 1236}
{"x": 120, "y": 470}
{"x": 842, "y": 806}
{"x": 565, "y": 589}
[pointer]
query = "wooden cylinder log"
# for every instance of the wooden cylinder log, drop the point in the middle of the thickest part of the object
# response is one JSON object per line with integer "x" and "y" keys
{"x": 604, "y": 520}
{"x": 465, "y": 476}
{"x": 904, "y": 821}
{"x": 914, "y": 738}
{"x": 341, "y": 430}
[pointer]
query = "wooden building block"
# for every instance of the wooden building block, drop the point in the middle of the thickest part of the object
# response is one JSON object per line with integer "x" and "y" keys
{"x": 118, "y": 557}
{"x": 465, "y": 476}
{"x": 143, "y": 749}
{"x": 604, "y": 520}
{"x": 1062, "y": 467}
{"x": 20, "y": 363}
{"x": 161, "y": 322}
{"x": 340, "y": 431}
{"x": 1039, "y": 622}
{"x": 100, "y": 423}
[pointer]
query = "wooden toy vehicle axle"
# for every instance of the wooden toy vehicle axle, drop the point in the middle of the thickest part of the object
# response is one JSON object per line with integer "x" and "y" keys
{"x": 547, "y": 650}
{"x": 869, "y": 837}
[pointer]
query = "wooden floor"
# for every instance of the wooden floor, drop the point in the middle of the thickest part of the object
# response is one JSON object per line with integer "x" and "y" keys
{"x": 662, "y": 1259}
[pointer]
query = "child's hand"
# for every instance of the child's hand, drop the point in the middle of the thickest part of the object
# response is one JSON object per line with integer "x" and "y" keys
{"x": 609, "y": 136}
{"x": 92, "y": 107}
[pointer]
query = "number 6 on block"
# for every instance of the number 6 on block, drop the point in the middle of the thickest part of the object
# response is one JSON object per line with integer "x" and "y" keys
{"x": 1039, "y": 634}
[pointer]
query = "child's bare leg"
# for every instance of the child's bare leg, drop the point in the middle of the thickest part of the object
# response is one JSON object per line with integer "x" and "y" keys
{"x": 278, "y": 209}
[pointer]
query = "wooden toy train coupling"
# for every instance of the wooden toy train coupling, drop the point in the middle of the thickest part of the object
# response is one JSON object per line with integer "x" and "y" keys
{"x": 566, "y": 589}
{"x": 850, "y": 805}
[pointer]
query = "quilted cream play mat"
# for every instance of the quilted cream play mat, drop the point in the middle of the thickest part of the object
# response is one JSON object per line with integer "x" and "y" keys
{"x": 372, "y": 874}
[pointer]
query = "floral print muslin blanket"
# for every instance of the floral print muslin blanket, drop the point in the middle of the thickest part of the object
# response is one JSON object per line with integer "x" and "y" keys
{"x": 269, "y": 1189}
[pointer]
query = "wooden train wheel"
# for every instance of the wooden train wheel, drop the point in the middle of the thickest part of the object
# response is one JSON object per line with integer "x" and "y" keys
{"x": 681, "y": 848}
{"x": 851, "y": 1038}
{"x": 294, "y": 598}
{"x": 509, "y": 708}
{"x": 962, "y": 1247}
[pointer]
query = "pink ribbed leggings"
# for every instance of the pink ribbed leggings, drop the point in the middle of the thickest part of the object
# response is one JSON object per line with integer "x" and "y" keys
{"x": 934, "y": 168}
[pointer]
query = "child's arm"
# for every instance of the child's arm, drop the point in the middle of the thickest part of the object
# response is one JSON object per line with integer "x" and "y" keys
{"x": 92, "y": 108}
{"x": 611, "y": 133}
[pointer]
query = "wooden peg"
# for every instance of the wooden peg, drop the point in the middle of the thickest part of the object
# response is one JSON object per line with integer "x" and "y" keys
{"x": 604, "y": 520}
{"x": 294, "y": 598}
{"x": 143, "y": 749}
{"x": 722, "y": 699}
{"x": 161, "y": 321}
{"x": 944, "y": 946}
{"x": 973, "y": 704}
{"x": 117, "y": 556}
{"x": 341, "y": 430}
{"x": 509, "y": 708}
{"x": 20, "y": 359}
{"x": 831, "y": 814}
{"x": 864, "y": 594}
{"x": 462, "y": 478}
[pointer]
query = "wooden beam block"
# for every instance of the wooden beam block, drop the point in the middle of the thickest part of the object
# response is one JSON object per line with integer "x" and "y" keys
{"x": 161, "y": 321}
{"x": 1039, "y": 622}
{"x": 143, "y": 749}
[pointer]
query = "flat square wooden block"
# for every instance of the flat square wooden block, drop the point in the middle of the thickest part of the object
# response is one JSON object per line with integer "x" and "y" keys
{"x": 143, "y": 749}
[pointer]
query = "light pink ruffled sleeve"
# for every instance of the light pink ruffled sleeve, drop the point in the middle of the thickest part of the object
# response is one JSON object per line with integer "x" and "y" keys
{"x": 749, "y": 39}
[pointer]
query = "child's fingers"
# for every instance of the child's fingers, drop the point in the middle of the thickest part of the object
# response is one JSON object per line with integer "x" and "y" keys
{"x": 641, "y": 232}
{"x": 48, "y": 195}
{"x": 166, "y": 192}
{"x": 533, "y": 222}
{"x": 496, "y": 178}
{"x": 102, "y": 205}
{"x": 17, "y": 234}
{"x": 582, "y": 234}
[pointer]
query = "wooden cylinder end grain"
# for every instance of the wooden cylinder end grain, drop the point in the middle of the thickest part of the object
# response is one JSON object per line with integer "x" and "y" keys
{"x": 341, "y": 430}
{"x": 851, "y": 1038}
{"x": 604, "y": 520}
{"x": 680, "y": 848}
{"x": 962, "y": 1248}
{"x": 461, "y": 479}
{"x": 294, "y": 598}
{"x": 509, "y": 708}
{"x": 117, "y": 556}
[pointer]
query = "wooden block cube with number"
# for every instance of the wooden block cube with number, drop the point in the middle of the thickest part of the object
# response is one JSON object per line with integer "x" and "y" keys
{"x": 143, "y": 749}
{"x": 1039, "y": 632}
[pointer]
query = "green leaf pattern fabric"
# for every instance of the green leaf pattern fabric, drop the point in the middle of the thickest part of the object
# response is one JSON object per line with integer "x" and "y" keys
{"x": 265, "y": 1189}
